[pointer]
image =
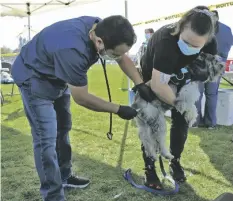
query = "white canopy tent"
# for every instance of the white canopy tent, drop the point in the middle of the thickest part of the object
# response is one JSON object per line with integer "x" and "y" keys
{"x": 25, "y": 8}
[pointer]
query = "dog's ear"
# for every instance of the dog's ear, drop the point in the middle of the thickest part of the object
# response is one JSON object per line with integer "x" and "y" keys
{"x": 206, "y": 68}
{"x": 216, "y": 67}
{"x": 198, "y": 69}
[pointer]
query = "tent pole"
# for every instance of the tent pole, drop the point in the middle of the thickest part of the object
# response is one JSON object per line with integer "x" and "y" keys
{"x": 129, "y": 87}
{"x": 29, "y": 21}
{"x": 126, "y": 9}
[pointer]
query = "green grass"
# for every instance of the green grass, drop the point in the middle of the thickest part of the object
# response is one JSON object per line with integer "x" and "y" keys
{"x": 207, "y": 157}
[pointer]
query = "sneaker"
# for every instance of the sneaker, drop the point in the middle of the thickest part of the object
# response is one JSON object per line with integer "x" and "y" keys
{"x": 76, "y": 182}
{"x": 211, "y": 127}
{"x": 152, "y": 179}
{"x": 177, "y": 171}
{"x": 200, "y": 125}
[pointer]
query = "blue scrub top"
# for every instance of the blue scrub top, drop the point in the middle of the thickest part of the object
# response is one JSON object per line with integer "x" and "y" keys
{"x": 224, "y": 39}
{"x": 61, "y": 51}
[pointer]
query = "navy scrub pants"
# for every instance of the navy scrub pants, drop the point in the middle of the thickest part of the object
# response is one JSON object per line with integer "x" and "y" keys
{"x": 211, "y": 93}
{"x": 47, "y": 107}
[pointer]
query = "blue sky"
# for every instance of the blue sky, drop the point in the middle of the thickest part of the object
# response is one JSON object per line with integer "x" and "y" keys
{"x": 137, "y": 11}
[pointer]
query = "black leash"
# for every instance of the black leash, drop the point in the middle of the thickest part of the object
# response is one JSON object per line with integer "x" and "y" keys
{"x": 162, "y": 166}
{"x": 109, "y": 133}
{"x": 229, "y": 82}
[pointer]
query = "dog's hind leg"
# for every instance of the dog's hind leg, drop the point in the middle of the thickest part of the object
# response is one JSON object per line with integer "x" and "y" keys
{"x": 155, "y": 135}
{"x": 145, "y": 136}
{"x": 161, "y": 133}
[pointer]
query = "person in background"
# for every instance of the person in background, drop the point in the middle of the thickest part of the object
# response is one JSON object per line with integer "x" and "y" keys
{"x": 224, "y": 43}
{"x": 148, "y": 33}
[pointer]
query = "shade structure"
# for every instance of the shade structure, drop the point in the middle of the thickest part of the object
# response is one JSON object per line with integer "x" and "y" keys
{"x": 26, "y": 8}
{"x": 23, "y": 8}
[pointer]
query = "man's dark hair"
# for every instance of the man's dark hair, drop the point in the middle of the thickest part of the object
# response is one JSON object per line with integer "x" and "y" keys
{"x": 115, "y": 30}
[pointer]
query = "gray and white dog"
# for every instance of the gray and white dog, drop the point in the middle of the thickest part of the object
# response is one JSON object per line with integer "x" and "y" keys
{"x": 151, "y": 120}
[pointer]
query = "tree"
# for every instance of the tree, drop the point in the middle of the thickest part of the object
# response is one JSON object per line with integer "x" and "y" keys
{"x": 6, "y": 50}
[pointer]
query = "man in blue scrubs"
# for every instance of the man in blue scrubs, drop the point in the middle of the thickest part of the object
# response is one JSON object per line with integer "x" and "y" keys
{"x": 224, "y": 39}
{"x": 56, "y": 62}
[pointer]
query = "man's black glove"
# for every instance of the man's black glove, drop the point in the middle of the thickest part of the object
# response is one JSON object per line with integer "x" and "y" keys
{"x": 126, "y": 112}
{"x": 144, "y": 91}
{"x": 198, "y": 70}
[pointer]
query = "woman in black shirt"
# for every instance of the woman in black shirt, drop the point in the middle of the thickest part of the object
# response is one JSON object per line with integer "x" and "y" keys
{"x": 171, "y": 48}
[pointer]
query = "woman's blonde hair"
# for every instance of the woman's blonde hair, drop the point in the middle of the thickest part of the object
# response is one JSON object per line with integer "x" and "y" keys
{"x": 201, "y": 20}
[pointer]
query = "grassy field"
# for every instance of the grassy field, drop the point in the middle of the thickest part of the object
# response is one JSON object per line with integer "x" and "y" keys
{"x": 207, "y": 159}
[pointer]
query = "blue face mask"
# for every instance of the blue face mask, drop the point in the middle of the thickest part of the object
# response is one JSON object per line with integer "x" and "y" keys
{"x": 147, "y": 36}
{"x": 187, "y": 50}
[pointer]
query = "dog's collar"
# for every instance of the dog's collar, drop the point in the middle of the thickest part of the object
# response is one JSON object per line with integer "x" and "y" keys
{"x": 183, "y": 77}
{"x": 180, "y": 75}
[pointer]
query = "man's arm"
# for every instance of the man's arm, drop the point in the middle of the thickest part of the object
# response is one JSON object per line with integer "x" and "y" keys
{"x": 159, "y": 85}
{"x": 128, "y": 67}
{"x": 89, "y": 101}
{"x": 71, "y": 67}
{"x": 131, "y": 71}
